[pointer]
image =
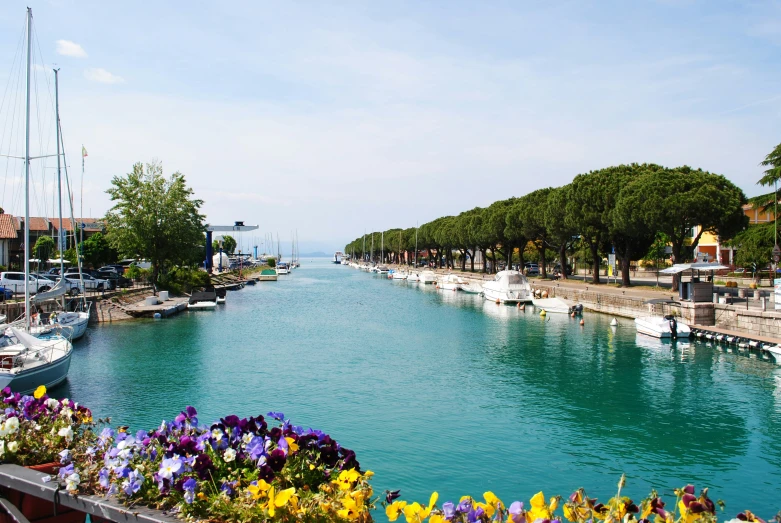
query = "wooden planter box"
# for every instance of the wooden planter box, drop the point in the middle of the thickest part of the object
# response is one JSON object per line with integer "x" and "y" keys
{"x": 26, "y": 484}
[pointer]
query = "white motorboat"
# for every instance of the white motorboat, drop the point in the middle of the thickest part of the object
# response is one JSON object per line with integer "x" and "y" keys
{"x": 451, "y": 282}
{"x": 472, "y": 287}
{"x": 398, "y": 275}
{"x": 381, "y": 269}
{"x": 221, "y": 300}
{"x": 413, "y": 277}
{"x": 555, "y": 305}
{"x": 427, "y": 277}
{"x": 203, "y": 301}
{"x": 508, "y": 287}
{"x": 283, "y": 268}
{"x": 662, "y": 327}
{"x": 202, "y": 306}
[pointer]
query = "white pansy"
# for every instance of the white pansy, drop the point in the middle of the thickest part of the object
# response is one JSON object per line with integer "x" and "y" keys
{"x": 66, "y": 432}
{"x": 12, "y": 424}
{"x": 229, "y": 455}
{"x": 246, "y": 438}
{"x": 52, "y": 403}
{"x": 64, "y": 401}
{"x": 13, "y": 446}
{"x": 72, "y": 482}
{"x": 2, "y": 448}
{"x": 217, "y": 435}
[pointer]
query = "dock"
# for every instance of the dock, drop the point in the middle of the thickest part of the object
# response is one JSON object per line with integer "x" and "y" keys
{"x": 165, "y": 308}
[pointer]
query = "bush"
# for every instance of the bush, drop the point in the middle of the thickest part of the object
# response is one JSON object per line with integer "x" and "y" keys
{"x": 271, "y": 262}
{"x": 183, "y": 280}
{"x": 133, "y": 272}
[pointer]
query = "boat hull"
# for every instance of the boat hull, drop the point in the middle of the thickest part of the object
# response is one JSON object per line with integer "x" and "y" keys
{"x": 202, "y": 306}
{"x": 552, "y": 305}
{"x": 659, "y": 327}
{"x": 74, "y": 326}
{"x": 509, "y": 297}
{"x": 27, "y": 381}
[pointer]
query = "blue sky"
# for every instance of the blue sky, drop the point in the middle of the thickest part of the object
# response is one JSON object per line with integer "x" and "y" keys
{"x": 332, "y": 118}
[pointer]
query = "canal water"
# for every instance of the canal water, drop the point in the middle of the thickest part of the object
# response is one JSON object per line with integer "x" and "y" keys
{"x": 442, "y": 391}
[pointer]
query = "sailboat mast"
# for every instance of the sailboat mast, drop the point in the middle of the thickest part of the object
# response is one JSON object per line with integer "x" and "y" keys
{"x": 382, "y": 247}
{"x": 416, "y": 245}
{"x": 27, "y": 179}
{"x": 59, "y": 175}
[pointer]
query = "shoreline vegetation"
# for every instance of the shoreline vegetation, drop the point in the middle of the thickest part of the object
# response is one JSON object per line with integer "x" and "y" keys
{"x": 635, "y": 210}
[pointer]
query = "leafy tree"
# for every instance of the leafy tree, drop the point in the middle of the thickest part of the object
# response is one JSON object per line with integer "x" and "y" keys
{"x": 43, "y": 248}
{"x": 532, "y": 218}
{"x": 228, "y": 244}
{"x": 675, "y": 201}
{"x": 96, "y": 250}
{"x": 590, "y": 201}
{"x": 156, "y": 218}
{"x": 773, "y": 163}
{"x": 754, "y": 246}
{"x": 272, "y": 262}
{"x": 560, "y": 232}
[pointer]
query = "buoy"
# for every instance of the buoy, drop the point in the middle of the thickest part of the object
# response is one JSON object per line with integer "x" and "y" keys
{"x": 544, "y": 294}
{"x": 614, "y": 322}
{"x": 572, "y": 314}
{"x": 543, "y": 313}
{"x": 582, "y": 323}
{"x": 157, "y": 316}
{"x": 519, "y": 305}
{"x": 498, "y": 301}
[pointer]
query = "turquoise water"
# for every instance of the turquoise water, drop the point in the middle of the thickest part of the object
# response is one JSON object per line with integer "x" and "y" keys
{"x": 441, "y": 390}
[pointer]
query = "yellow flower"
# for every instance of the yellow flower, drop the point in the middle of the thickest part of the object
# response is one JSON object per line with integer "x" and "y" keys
{"x": 570, "y": 514}
{"x": 352, "y": 506}
{"x": 538, "y": 510}
{"x": 39, "y": 392}
{"x": 416, "y": 513}
{"x": 686, "y": 515}
{"x": 201, "y": 495}
{"x": 554, "y": 504}
{"x": 393, "y": 511}
{"x": 436, "y": 518}
{"x": 259, "y": 490}
{"x": 347, "y": 478}
{"x": 291, "y": 443}
{"x": 311, "y": 467}
{"x": 278, "y": 500}
{"x": 492, "y": 500}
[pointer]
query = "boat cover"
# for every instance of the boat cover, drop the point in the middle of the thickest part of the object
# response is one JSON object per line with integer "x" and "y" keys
{"x": 60, "y": 289}
{"x": 697, "y": 266}
{"x": 28, "y": 340}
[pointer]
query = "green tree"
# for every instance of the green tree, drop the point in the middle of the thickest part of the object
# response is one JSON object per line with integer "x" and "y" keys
{"x": 44, "y": 247}
{"x": 679, "y": 201}
{"x": 586, "y": 212}
{"x": 532, "y": 218}
{"x": 773, "y": 163}
{"x": 96, "y": 250}
{"x": 156, "y": 218}
{"x": 754, "y": 246}
{"x": 228, "y": 244}
{"x": 560, "y": 232}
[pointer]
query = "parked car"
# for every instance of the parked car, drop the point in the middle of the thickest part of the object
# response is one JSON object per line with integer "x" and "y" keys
{"x": 531, "y": 269}
{"x": 116, "y": 280}
{"x": 119, "y": 269}
{"x": 568, "y": 268}
{"x": 90, "y": 282}
{"x": 15, "y": 281}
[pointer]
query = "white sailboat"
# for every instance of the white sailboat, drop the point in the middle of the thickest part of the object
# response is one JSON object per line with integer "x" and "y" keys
{"x": 26, "y": 361}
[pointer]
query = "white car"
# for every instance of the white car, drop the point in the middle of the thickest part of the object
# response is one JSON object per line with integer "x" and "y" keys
{"x": 90, "y": 282}
{"x": 14, "y": 281}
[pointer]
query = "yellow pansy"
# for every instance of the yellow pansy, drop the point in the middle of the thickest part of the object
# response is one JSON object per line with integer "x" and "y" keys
{"x": 538, "y": 510}
{"x": 352, "y": 506}
{"x": 277, "y": 500}
{"x": 554, "y": 504}
{"x": 436, "y": 518}
{"x": 492, "y": 500}
{"x": 39, "y": 392}
{"x": 394, "y": 510}
{"x": 686, "y": 515}
{"x": 416, "y": 513}
{"x": 569, "y": 513}
{"x": 291, "y": 443}
{"x": 347, "y": 478}
{"x": 488, "y": 509}
{"x": 259, "y": 490}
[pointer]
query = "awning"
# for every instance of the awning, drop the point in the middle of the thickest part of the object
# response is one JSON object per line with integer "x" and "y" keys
{"x": 51, "y": 260}
{"x": 697, "y": 266}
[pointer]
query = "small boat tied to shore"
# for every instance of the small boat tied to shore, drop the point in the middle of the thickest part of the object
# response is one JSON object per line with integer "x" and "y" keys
{"x": 508, "y": 287}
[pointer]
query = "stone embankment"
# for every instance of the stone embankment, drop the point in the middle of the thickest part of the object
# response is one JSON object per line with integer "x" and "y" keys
{"x": 749, "y": 313}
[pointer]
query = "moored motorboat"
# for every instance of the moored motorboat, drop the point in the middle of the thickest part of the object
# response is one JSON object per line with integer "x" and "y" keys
{"x": 283, "y": 268}
{"x": 267, "y": 275}
{"x": 206, "y": 300}
{"x": 472, "y": 287}
{"x": 556, "y": 305}
{"x": 508, "y": 287}
{"x": 413, "y": 277}
{"x": 451, "y": 282}
{"x": 662, "y": 327}
{"x": 398, "y": 275}
{"x": 427, "y": 277}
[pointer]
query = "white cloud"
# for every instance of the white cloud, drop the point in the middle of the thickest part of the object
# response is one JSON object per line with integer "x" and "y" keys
{"x": 68, "y": 48}
{"x": 100, "y": 75}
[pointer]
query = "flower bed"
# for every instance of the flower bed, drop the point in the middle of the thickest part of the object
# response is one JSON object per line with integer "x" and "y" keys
{"x": 264, "y": 468}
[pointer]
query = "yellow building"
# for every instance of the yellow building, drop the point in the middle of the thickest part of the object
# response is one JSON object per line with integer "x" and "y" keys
{"x": 709, "y": 247}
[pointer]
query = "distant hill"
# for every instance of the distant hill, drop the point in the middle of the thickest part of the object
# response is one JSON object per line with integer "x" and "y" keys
{"x": 317, "y": 254}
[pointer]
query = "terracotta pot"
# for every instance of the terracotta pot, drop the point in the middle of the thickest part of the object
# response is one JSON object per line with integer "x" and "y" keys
{"x": 40, "y": 510}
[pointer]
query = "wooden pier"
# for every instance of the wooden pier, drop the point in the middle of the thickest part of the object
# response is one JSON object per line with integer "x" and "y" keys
{"x": 165, "y": 308}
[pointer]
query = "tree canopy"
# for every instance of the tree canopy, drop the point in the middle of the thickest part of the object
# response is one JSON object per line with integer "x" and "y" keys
{"x": 43, "y": 248}
{"x": 155, "y": 218}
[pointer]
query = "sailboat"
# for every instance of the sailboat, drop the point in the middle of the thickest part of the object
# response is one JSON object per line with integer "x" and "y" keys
{"x": 26, "y": 361}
